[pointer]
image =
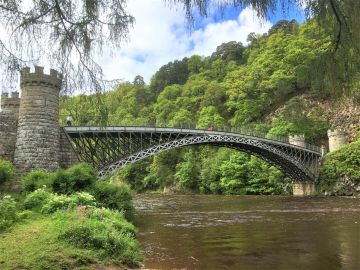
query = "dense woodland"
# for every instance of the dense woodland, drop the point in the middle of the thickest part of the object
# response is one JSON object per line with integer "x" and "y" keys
{"x": 259, "y": 86}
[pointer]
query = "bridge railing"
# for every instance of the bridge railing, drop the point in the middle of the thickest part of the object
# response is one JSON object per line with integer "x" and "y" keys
{"x": 114, "y": 121}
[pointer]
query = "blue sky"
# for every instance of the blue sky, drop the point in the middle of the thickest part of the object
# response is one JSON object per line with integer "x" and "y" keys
{"x": 161, "y": 34}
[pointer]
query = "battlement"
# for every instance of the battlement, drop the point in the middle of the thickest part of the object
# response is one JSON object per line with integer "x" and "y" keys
{"x": 38, "y": 77}
{"x": 337, "y": 138}
{"x": 10, "y": 103}
{"x": 300, "y": 137}
{"x": 336, "y": 132}
{"x": 298, "y": 140}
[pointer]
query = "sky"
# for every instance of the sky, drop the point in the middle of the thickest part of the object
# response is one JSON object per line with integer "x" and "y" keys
{"x": 161, "y": 34}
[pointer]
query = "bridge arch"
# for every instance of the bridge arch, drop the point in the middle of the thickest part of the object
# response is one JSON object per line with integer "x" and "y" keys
{"x": 290, "y": 166}
{"x": 112, "y": 148}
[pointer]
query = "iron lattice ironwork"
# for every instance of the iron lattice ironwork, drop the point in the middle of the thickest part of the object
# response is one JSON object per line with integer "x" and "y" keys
{"x": 111, "y": 148}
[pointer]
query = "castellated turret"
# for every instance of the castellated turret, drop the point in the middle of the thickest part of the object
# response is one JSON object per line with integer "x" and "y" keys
{"x": 337, "y": 138}
{"x": 38, "y": 134}
{"x": 298, "y": 140}
{"x": 10, "y": 104}
{"x": 8, "y": 124}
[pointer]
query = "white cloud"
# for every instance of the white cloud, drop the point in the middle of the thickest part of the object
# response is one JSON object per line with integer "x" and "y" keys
{"x": 160, "y": 35}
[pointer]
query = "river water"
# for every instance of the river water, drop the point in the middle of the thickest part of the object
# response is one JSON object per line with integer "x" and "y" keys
{"x": 249, "y": 232}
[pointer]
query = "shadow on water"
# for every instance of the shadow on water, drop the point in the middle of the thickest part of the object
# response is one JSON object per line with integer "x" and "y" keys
{"x": 249, "y": 232}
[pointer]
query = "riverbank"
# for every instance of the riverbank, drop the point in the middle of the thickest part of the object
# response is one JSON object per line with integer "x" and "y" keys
{"x": 72, "y": 222}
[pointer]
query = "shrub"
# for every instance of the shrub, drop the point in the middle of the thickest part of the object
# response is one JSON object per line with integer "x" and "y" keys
{"x": 63, "y": 202}
{"x": 36, "y": 179}
{"x": 58, "y": 202}
{"x": 104, "y": 238}
{"x": 37, "y": 199}
{"x": 340, "y": 172}
{"x": 78, "y": 177}
{"x": 7, "y": 171}
{"x": 83, "y": 198}
{"x": 113, "y": 217}
{"x": 117, "y": 197}
{"x": 7, "y": 212}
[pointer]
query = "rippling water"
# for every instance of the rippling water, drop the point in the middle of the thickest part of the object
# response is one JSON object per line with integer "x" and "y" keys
{"x": 249, "y": 232}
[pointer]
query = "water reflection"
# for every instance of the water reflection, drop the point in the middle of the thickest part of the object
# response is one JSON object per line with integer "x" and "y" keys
{"x": 249, "y": 232}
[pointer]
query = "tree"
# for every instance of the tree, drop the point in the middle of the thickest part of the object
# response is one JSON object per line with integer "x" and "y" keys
{"x": 68, "y": 33}
{"x": 64, "y": 33}
{"x": 282, "y": 25}
{"x": 172, "y": 73}
{"x": 229, "y": 51}
{"x": 139, "y": 80}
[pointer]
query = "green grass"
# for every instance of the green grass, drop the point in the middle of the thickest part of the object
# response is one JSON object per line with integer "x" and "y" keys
{"x": 34, "y": 244}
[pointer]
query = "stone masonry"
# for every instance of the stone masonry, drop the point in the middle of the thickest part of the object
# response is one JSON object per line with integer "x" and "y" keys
{"x": 337, "y": 138}
{"x": 8, "y": 124}
{"x": 298, "y": 140}
{"x": 30, "y": 134}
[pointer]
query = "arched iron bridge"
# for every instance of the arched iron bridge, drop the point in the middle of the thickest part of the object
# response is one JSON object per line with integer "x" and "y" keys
{"x": 111, "y": 148}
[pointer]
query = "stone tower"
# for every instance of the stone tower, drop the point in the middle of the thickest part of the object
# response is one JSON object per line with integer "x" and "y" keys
{"x": 10, "y": 105}
{"x": 337, "y": 138}
{"x": 8, "y": 124}
{"x": 298, "y": 140}
{"x": 38, "y": 134}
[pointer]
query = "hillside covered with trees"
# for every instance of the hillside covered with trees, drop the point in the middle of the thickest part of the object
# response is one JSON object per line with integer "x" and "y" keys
{"x": 269, "y": 85}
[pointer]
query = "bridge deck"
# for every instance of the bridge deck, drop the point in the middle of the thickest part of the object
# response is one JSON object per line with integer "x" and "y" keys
{"x": 77, "y": 130}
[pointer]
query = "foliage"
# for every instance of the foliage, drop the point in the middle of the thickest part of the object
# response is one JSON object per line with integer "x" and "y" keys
{"x": 134, "y": 175}
{"x": 37, "y": 199}
{"x": 117, "y": 197}
{"x": 243, "y": 174}
{"x": 295, "y": 119}
{"x": 21, "y": 248}
{"x": 114, "y": 217}
{"x": 36, "y": 179}
{"x": 7, "y": 171}
{"x": 187, "y": 172}
{"x": 7, "y": 212}
{"x": 47, "y": 202}
{"x": 110, "y": 240}
{"x": 265, "y": 86}
{"x": 340, "y": 172}
{"x": 63, "y": 202}
{"x": 53, "y": 30}
{"x": 76, "y": 178}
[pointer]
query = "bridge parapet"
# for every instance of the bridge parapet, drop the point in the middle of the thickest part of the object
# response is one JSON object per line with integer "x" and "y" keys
{"x": 192, "y": 129}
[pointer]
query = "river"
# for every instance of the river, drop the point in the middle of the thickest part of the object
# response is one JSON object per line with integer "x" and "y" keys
{"x": 248, "y": 232}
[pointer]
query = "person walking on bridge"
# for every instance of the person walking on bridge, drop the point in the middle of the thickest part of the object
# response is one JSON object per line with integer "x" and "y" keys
{"x": 69, "y": 120}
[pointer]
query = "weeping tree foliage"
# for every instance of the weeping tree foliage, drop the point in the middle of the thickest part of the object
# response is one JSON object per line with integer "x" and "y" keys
{"x": 67, "y": 34}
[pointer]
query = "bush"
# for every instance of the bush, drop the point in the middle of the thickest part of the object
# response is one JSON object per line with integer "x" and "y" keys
{"x": 104, "y": 238}
{"x": 63, "y": 202}
{"x": 78, "y": 177}
{"x": 7, "y": 212}
{"x": 340, "y": 174}
{"x": 7, "y": 171}
{"x": 113, "y": 217}
{"x": 37, "y": 199}
{"x": 117, "y": 197}
{"x": 36, "y": 179}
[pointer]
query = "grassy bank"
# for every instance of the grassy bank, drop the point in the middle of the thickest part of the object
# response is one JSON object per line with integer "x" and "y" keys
{"x": 72, "y": 222}
{"x": 34, "y": 244}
